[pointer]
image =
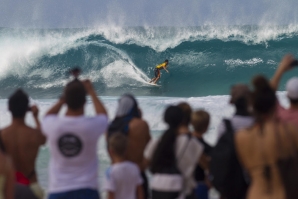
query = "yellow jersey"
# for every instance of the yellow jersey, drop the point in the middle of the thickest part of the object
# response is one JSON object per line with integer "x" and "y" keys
{"x": 160, "y": 66}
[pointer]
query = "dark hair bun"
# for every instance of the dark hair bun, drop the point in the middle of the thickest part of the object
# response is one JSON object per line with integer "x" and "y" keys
{"x": 173, "y": 116}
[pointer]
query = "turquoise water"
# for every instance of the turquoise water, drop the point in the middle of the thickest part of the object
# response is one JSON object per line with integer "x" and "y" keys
{"x": 203, "y": 60}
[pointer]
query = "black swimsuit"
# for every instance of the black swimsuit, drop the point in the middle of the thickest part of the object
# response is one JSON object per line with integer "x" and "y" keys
{"x": 156, "y": 72}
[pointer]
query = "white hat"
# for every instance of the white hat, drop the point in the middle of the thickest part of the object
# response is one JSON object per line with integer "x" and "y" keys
{"x": 292, "y": 88}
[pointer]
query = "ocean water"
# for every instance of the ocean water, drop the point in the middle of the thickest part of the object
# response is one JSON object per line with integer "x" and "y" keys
{"x": 203, "y": 62}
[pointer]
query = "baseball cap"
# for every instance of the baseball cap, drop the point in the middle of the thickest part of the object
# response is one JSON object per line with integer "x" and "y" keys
{"x": 292, "y": 88}
{"x": 239, "y": 91}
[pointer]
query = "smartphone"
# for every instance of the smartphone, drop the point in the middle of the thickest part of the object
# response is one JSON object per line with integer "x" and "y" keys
{"x": 294, "y": 63}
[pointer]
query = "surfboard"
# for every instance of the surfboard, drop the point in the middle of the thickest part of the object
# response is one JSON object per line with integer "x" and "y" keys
{"x": 153, "y": 84}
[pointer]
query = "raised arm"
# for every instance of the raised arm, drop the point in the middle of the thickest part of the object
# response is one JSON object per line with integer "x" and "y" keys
{"x": 99, "y": 108}
{"x": 40, "y": 138}
{"x": 284, "y": 66}
{"x": 35, "y": 111}
{"x": 56, "y": 108}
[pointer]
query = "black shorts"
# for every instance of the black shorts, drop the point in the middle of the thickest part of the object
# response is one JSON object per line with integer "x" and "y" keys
{"x": 156, "y": 72}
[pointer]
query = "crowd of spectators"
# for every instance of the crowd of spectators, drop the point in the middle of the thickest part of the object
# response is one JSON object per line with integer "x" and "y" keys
{"x": 261, "y": 139}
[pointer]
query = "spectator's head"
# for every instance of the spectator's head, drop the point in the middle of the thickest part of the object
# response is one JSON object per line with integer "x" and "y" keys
{"x": 240, "y": 95}
{"x": 200, "y": 121}
{"x": 164, "y": 155}
{"x": 18, "y": 104}
{"x": 173, "y": 116}
{"x": 117, "y": 144}
{"x": 292, "y": 90}
{"x": 75, "y": 95}
{"x": 128, "y": 106}
{"x": 263, "y": 98}
{"x": 186, "y": 109}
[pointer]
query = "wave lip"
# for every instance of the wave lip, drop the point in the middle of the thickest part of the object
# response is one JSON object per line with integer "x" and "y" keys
{"x": 163, "y": 38}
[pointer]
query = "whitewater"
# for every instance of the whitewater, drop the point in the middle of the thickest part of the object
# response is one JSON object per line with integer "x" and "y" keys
{"x": 204, "y": 62}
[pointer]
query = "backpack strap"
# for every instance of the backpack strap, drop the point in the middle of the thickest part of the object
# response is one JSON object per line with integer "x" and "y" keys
{"x": 228, "y": 125}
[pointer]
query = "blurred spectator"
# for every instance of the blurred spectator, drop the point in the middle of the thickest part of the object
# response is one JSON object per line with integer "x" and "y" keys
{"x": 184, "y": 130}
{"x": 290, "y": 114}
{"x": 258, "y": 147}
{"x": 72, "y": 141}
{"x": 173, "y": 158}
{"x": 200, "y": 122}
{"x": 123, "y": 178}
{"x": 22, "y": 143}
{"x": 240, "y": 95}
{"x": 129, "y": 121}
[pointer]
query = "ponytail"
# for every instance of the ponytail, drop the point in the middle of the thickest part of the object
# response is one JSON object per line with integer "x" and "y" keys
{"x": 164, "y": 155}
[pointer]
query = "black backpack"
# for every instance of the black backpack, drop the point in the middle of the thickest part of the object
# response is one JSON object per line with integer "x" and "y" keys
{"x": 227, "y": 175}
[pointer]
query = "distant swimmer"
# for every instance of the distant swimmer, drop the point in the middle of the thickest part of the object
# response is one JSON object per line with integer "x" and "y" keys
{"x": 157, "y": 69}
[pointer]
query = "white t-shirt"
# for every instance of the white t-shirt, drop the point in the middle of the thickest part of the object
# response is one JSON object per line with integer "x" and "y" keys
{"x": 238, "y": 122}
{"x": 72, "y": 144}
{"x": 123, "y": 179}
{"x": 188, "y": 152}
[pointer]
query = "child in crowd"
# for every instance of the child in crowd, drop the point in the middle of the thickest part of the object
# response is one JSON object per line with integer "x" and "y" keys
{"x": 129, "y": 122}
{"x": 123, "y": 179}
{"x": 200, "y": 122}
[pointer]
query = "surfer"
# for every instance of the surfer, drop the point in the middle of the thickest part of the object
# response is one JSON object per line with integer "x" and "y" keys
{"x": 157, "y": 69}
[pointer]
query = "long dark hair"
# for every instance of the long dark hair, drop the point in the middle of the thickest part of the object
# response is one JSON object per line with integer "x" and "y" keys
{"x": 164, "y": 155}
{"x": 263, "y": 98}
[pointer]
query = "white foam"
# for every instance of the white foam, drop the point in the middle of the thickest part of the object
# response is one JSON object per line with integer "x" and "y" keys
{"x": 164, "y": 38}
{"x": 238, "y": 62}
{"x": 189, "y": 58}
{"x": 120, "y": 73}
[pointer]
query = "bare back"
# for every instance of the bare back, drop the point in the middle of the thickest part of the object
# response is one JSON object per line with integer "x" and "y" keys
{"x": 138, "y": 138}
{"x": 22, "y": 144}
{"x": 257, "y": 149}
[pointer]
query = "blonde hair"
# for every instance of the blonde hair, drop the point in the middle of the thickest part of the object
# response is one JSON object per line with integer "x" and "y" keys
{"x": 200, "y": 120}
